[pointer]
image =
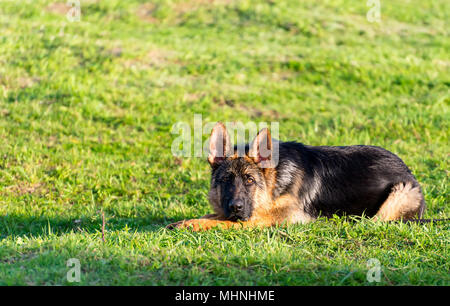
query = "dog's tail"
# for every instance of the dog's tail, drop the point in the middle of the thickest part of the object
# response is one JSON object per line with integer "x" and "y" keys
{"x": 405, "y": 202}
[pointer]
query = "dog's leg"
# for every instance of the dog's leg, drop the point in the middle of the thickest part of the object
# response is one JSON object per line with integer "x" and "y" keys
{"x": 405, "y": 202}
{"x": 214, "y": 221}
{"x": 211, "y": 221}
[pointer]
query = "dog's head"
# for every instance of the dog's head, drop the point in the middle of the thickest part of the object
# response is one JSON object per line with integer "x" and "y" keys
{"x": 239, "y": 184}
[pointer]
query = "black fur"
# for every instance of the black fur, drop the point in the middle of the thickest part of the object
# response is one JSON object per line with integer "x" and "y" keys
{"x": 231, "y": 175}
{"x": 334, "y": 180}
{"x": 350, "y": 180}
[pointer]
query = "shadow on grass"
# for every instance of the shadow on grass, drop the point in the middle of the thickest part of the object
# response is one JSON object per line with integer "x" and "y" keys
{"x": 19, "y": 225}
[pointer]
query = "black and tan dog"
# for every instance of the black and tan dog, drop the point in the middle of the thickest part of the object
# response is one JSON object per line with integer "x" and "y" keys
{"x": 307, "y": 182}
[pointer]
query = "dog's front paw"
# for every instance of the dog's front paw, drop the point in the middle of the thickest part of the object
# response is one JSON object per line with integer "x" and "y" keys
{"x": 175, "y": 225}
{"x": 195, "y": 224}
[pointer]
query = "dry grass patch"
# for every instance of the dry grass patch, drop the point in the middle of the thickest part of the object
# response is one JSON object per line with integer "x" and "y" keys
{"x": 59, "y": 8}
{"x": 24, "y": 188}
{"x": 145, "y": 13}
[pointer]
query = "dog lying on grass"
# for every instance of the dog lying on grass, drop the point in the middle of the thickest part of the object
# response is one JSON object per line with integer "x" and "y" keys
{"x": 250, "y": 190}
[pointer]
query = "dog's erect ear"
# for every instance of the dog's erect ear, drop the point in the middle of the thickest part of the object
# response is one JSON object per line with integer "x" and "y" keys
{"x": 219, "y": 144}
{"x": 261, "y": 148}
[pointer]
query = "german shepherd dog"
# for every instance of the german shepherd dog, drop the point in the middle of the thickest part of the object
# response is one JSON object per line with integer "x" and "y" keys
{"x": 307, "y": 182}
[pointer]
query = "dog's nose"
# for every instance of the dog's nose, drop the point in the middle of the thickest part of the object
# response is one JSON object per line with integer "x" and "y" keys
{"x": 237, "y": 206}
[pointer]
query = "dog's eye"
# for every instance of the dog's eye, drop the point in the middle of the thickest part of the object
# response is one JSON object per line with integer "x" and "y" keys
{"x": 249, "y": 180}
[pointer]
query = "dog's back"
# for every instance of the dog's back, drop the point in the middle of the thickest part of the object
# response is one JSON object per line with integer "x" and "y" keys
{"x": 351, "y": 180}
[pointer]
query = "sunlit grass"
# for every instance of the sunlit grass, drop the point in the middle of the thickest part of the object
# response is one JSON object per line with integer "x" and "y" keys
{"x": 86, "y": 110}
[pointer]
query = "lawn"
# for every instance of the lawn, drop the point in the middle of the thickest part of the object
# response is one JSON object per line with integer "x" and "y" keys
{"x": 87, "y": 108}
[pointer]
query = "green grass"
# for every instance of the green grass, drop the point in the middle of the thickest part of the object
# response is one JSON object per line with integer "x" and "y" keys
{"x": 86, "y": 110}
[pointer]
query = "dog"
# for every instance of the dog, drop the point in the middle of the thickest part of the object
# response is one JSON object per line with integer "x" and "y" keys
{"x": 307, "y": 182}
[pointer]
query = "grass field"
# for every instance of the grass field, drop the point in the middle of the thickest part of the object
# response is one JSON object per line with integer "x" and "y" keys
{"x": 87, "y": 107}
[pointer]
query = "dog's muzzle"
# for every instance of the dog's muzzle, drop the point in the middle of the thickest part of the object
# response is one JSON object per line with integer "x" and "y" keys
{"x": 237, "y": 211}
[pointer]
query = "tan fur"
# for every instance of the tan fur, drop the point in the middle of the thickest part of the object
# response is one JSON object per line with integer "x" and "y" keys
{"x": 262, "y": 209}
{"x": 205, "y": 223}
{"x": 267, "y": 211}
{"x": 286, "y": 209}
{"x": 404, "y": 202}
{"x": 270, "y": 175}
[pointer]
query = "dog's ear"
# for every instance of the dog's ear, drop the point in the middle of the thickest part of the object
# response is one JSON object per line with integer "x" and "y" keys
{"x": 261, "y": 148}
{"x": 219, "y": 144}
